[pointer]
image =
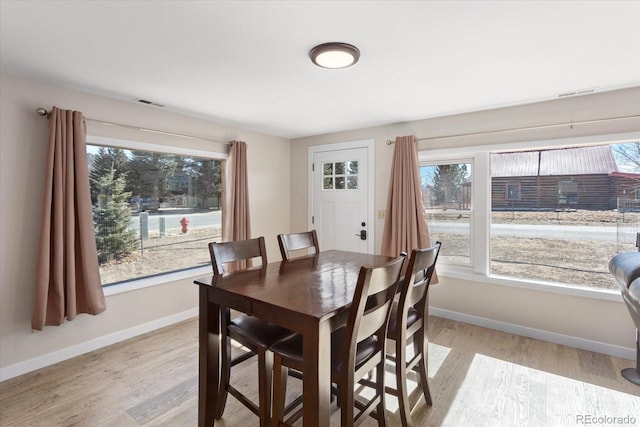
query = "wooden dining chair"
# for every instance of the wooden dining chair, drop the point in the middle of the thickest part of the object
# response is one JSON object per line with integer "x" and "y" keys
{"x": 356, "y": 349}
{"x": 409, "y": 319}
{"x": 296, "y": 241}
{"x": 253, "y": 333}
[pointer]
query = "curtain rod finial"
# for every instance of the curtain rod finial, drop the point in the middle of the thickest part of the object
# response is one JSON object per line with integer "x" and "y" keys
{"x": 42, "y": 112}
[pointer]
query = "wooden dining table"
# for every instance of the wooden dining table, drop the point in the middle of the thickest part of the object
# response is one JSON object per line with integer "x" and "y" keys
{"x": 310, "y": 295}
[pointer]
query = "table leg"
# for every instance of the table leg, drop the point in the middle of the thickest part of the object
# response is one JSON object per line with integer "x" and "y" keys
{"x": 208, "y": 359}
{"x": 317, "y": 375}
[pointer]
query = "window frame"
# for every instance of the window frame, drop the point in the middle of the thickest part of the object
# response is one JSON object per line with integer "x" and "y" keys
{"x": 479, "y": 271}
{"x": 435, "y": 161}
{"x": 163, "y": 278}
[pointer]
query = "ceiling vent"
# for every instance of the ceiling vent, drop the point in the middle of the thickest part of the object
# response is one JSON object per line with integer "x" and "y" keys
{"x": 576, "y": 93}
{"x": 144, "y": 101}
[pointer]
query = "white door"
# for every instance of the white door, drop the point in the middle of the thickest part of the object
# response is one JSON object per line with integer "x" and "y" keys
{"x": 341, "y": 198}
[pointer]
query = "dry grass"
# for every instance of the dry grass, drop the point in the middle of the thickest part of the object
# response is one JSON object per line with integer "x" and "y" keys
{"x": 158, "y": 255}
{"x": 577, "y": 262}
{"x": 568, "y": 217}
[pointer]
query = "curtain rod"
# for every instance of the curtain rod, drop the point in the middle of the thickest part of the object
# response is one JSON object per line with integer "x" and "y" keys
{"x": 389, "y": 142}
{"x": 44, "y": 113}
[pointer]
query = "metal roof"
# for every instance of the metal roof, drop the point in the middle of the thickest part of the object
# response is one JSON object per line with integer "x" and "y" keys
{"x": 591, "y": 160}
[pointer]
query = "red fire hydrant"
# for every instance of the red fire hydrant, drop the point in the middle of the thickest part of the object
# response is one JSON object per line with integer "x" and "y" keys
{"x": 185, "y": 223}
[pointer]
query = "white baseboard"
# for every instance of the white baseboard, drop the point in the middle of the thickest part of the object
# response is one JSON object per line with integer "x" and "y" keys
{"x": 581, "y": 343}
{"x": 85, "y": 347}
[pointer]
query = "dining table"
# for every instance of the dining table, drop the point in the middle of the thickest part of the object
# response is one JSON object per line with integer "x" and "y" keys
{"x": 310, "y": 295}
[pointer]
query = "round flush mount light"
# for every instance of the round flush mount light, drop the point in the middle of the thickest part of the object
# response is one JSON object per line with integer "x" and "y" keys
{"x": 334, "y": 55}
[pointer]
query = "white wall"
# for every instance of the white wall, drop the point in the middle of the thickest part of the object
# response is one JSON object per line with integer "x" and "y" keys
{"x": 597, "y": 324}
{"x": 23, "y": 141}
{"x": 278, "y": 191}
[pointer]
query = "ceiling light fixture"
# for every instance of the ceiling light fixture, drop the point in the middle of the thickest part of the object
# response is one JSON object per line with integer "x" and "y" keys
{"x": 334, "y": 55}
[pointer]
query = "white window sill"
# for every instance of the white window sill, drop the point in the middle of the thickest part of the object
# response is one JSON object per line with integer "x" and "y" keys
{"x": 462, "y": 273}
{"x": 449, "y": 271}
{"x": 146, "y": 282}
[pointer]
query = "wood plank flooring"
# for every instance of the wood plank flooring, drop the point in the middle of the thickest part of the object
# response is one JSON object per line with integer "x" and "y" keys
{"x": 478, "y": 377}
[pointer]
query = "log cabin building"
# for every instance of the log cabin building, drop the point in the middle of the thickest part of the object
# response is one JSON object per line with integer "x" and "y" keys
{"x": 570, "y": 178}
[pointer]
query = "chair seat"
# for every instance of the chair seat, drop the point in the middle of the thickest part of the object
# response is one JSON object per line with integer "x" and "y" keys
{"x": 291, "y": 348}
{"x": 412, "y": 317}
{"x": 257, "y": 331}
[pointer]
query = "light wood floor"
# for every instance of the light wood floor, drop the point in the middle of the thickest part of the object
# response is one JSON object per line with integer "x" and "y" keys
{"x": 478, "y": 377}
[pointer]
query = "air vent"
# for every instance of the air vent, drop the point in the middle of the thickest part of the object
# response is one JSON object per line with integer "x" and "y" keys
{"x": 144, "y": 101}
{"x": 576, "y": 93}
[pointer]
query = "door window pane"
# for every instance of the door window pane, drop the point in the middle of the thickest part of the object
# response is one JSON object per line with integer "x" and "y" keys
{"x": 327, "y": 183}
{"x": 352, "y": 168}
{"x": 352, "y": 182}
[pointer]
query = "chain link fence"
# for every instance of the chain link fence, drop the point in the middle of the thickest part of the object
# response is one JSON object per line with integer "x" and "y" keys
{"x": 628, "y": 224}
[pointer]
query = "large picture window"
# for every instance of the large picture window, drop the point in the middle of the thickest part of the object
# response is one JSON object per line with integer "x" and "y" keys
{"x": 154, "y": 213}
{"x": 549, "y": 216}
{"x": 574, "y": 214}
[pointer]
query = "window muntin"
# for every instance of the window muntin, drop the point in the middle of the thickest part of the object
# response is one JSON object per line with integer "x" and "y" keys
{"x": 447, "y": 196}
{"x": 154, "y": 213}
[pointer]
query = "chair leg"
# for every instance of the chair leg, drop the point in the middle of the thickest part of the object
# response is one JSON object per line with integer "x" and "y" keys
{"x": 346, "y": 401}
{"x": 280, "y": 373}
{"x": 225, "y": 372}
{"x": 265, "y": 367}
{"x": 633, "y": 374}
{"x": 380, "y": 391}
{"x": 421, "y": 346}
{"x": 401, "y": 380}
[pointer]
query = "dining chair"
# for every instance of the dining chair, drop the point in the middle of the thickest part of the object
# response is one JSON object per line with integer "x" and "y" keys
{"x": 296, "y": 241}
{"x": 356, "y": 349}
{"x": 409, "y": 319}
{"x": 253, "y": 333}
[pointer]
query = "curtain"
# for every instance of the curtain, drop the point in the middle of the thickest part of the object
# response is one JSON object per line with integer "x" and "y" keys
{"x": 405, "y": 225}
{"x": 67, "y": 274}
{"x": 237, "y": 224}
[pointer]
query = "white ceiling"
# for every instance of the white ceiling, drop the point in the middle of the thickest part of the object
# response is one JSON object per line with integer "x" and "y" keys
{"x": 246, "y": 63}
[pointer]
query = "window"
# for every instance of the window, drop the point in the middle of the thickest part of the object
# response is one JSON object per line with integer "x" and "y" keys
{"x": 446, "y": 191}
{"x": 154, "y": 213}
{"x": 567, "y": 227}
{"x": 340, "y": 175}
{"x": 553, "y": 216}
{"x": 513, "y": 191}
{"x": 567, "y": 193}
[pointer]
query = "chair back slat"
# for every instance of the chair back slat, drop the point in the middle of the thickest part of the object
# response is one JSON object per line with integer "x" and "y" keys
{"x": 373, "y": 319}
{"x": 418, "y": 276}
{"x": 372, "y": 301}
{"x": 297, "y": 241}
{"x": 239, "y": 250}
